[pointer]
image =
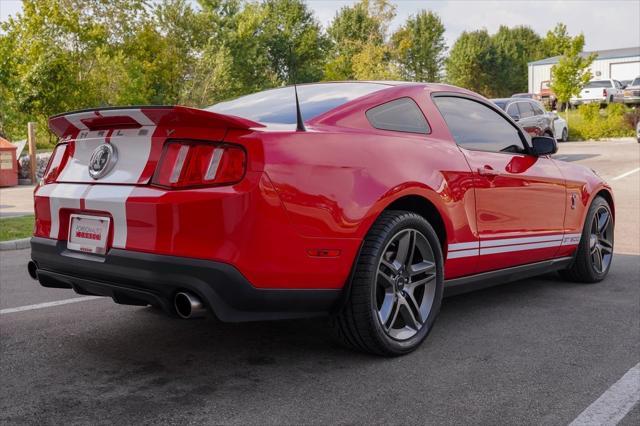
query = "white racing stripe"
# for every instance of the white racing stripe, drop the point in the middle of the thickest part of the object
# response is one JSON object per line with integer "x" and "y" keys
{"x": 523, "y": 240}
{"x": 519, "y": 247}
{"x": 48, "y": 304}
{"x": 112, "y": 199}
{"x": 61, "y": 196}
{"x": 629, "y": 173}
{"x": 462, "y": 253}
{"x": 614, "y": 404}
{"x": 506, "y": 245}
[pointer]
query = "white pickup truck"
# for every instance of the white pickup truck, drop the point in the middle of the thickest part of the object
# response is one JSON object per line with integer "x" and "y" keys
{"x": 600, "y": 91}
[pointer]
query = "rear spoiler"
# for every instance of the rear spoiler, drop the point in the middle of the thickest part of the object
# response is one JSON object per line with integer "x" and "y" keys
{"x": 69, "y": 124}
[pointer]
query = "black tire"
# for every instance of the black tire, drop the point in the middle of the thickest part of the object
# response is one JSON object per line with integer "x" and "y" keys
{"x": 565, "y": 135}
{"x": 583, "y": 269}
{"x": 359, "y": 325}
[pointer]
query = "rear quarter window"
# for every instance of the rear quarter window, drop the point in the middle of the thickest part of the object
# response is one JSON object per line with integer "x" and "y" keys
{"x": 400, "y": 115}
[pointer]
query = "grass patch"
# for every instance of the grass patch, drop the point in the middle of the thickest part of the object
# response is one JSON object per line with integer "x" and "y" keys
{"x": 13, "y": 228}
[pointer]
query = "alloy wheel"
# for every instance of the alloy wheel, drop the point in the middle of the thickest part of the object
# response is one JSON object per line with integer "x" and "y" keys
{"x": 405, "y": 284}
{"x": 601, "y": 240}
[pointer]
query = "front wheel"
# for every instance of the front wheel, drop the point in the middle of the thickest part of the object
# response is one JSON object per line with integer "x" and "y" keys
{"x": 565, "y": 135}
{"x": 595, "y": 251}
{"x": 396, "y": 288}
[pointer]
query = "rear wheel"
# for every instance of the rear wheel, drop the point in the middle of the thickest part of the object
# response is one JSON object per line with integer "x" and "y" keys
{"x": 595, "y": 251}
{"x": 396, "y": 289}
{"x": 565, "y": 135}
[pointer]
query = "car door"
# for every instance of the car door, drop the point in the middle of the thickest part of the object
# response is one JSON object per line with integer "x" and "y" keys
{"x": 520, "y": 198}
{"x": 528, "y": 121}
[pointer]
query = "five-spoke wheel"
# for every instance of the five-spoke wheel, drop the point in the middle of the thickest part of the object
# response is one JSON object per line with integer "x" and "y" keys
{"x": 595, "y": 251}
{"x": 406, "y": 284}
{"x": 396, "y": 289}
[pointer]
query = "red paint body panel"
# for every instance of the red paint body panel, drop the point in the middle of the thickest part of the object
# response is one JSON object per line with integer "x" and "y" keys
{"x": 298, "y": 217}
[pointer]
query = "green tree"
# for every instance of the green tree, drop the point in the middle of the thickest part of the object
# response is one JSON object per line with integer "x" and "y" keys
{"x": 356, "y": 28}
{"x": 419, "y": 47}
{"x": 515, "y": 48}
{"x": 472, "y": 63}
{"x": 556, "y": 42}
{"x": 571, "y": 73}
{"x": 293, "y": 37}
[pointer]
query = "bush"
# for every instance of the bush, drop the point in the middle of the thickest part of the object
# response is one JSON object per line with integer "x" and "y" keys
{"x": 590, "y": 122}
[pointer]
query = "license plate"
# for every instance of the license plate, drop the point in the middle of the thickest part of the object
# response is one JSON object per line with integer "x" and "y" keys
{"x": 88, "y": 233}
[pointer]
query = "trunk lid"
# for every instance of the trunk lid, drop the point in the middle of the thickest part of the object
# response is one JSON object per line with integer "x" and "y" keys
{"x": 136, "y": 136}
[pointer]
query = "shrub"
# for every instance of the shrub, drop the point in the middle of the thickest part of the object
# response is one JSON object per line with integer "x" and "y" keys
{"x": 591, "y": 122}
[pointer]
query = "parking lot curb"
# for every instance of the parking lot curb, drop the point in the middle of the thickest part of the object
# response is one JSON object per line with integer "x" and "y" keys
{"x": 22, "y": 243}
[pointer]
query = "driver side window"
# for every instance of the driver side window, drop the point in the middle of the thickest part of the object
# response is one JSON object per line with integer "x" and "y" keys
{"x": 477, "y": 127}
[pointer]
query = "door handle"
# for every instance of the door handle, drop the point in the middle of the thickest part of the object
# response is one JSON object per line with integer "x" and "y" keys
{"x": 487, "y": 171}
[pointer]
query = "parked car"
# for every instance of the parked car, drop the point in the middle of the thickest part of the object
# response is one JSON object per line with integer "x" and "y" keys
{"x": 560, "y": 129}
{"x": 547, "y": 96}
{"x": 533, "y": 96}
{"x": 529, "y": 114}
{"x": 631, "y": 94}
{"x": 638, "y": 131}
{"x": 599, "y": 91}
{"x": 365, "y": 201}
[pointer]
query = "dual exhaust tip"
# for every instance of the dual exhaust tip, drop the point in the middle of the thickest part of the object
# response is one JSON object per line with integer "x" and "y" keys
{"x": 32, "y": 269}
{"x": 188, "y": 305}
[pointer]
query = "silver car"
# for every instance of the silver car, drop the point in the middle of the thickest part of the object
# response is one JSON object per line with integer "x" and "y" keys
{"x": 631, "y": 93}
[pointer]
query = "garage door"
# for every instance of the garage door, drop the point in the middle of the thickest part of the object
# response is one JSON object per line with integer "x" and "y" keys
{"x": 625, "y": 70}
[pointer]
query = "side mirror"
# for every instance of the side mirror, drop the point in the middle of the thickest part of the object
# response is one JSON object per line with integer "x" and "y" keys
{"x": 515, "y": 117}
{"x": 544, "y": 145}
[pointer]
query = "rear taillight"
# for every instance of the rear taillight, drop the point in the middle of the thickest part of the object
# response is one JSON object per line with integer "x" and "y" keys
{"x": 604, "y": 93}
{"x": 57, "y": 162}
{"x": 191, "y": 164}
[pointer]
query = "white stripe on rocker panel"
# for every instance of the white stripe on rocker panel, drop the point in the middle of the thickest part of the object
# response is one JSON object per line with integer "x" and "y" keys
{"x": 112, "y": 199}
{"x": 464, "y": 246}
{"x": 462, "y": 253}
{"x": 521, "y": 247}
{"x": 521, "y": 240}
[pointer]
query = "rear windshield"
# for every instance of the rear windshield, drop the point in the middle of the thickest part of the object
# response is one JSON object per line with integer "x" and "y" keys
{"x": 278, "y": 106}
{"x": 597, "y": 84}
{"x": 501, "y": 104}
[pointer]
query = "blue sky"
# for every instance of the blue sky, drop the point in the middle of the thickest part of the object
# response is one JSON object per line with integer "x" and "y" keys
{"x": 605, "y": 24}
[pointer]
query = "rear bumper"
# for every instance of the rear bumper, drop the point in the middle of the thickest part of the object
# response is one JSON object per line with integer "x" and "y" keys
{"x": 138, "y": 278}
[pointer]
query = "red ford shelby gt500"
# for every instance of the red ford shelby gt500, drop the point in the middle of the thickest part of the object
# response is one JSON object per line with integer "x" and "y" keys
{"x": 366, "y": 201}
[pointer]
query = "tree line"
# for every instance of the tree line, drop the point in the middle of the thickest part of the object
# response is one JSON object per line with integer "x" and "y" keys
{"x": 61, "y": 55}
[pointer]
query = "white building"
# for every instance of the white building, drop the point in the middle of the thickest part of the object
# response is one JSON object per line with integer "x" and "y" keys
{"x": 618, "y": 64}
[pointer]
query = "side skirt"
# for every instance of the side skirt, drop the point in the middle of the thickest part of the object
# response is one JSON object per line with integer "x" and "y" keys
{"x": 503, "y": 276}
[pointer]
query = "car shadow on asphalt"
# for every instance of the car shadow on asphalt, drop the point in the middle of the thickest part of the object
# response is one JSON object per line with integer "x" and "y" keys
{"x": 189, "y": 362}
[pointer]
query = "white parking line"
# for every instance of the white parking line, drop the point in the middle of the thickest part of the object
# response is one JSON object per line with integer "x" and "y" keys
{"x": 615, "y": 403}
{"x": 637, "y": 169}
{"x": 48, "y": 304}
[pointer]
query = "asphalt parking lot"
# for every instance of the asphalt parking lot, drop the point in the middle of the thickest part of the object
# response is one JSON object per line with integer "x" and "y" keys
{"x": 537, "y": 351}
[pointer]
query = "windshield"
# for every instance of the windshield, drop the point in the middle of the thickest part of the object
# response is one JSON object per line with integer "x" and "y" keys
{"x": 597, "y": 84}
{"x": 278, "y": 106}
{"x": 635, "y": 82}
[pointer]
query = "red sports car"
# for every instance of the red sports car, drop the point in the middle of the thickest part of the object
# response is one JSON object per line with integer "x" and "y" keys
{"x": 365, "y": 201}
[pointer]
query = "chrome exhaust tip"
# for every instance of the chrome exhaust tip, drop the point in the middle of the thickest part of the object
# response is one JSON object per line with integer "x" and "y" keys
{"x": 188, "y": 305}
{"x": 32, "y": 268}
